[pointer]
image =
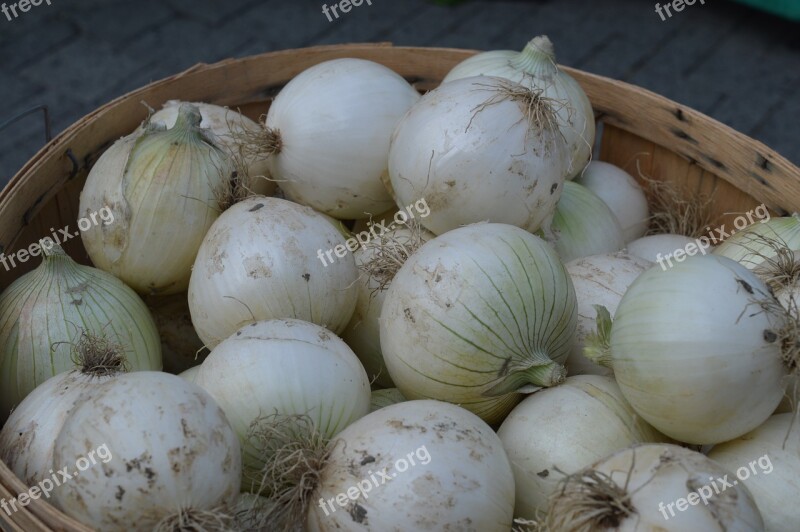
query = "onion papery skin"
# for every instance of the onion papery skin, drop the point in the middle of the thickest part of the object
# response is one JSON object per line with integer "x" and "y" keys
{"x": 583, "y": 225}
{"x": 259, "y": 261}
{"x": 461, "y": 478}
{"x": 473, "y": 153}
{"x": 654, "y": 475}
{"x": 687, "y": 340}
{"x": 383, "y": 398}
{"x": 163, "y": 189}
{"x": 44, "y": 312}
{"x": 750, "y": 246}
{"x": 623, "y": 195}
{"x": 285, "y": 367}
{"x": 28, "y": 437}
{"x": 564, "y": 429}
{"x": 598, "y": 280}
{"x": 226, "y": 124}
{"x": 477, "y": 314}
{"x": 535, "y": 67}
{"x": 171, "y": 449}
{"x": 335, "y": 121}
{"x": 775, "y": 485}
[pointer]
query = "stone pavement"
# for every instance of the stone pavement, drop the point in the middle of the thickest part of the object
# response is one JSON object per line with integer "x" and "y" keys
{"x": 733, "y": 63}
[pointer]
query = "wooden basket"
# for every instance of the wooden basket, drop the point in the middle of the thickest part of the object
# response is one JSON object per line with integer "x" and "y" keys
{"x": 641, "y": 132}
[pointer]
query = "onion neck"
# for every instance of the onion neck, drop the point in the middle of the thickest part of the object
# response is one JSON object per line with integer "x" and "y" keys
{"x": 537, "y": 58}
{"x": 543, "y": 373}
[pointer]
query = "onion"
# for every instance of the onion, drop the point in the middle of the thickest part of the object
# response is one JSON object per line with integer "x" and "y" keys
{"x": 480, "y": 149}
{"x": 623, "y": 195}
{"x": 759, "y": 242}
{"x": 598, "y": 280}
{"x": 447, "y": 470}
{"x": 260, "y": 261}
{"x": 563, "y": 429}
{"x": 583, "y": 225}
{"x": 653, "y": 487}
{"x": 155, "y": 181}
{"x": 28, "y": 437}
{"x": 226, "y": 125}
{"x": 328, "y": 135}
{"x": 378, "y": 261}
{"x": 284, "y": 367}
{"x": 384, "y": 398}
{"x": 768, "y": 461}
{"x": 47, "y": 310}
{"x": 535, "y": 67}
{"x": 686, "y": 341}
{"x": 477, "y": 315}
{"x": 655, "y": 248}
{"x": 173, "y": 457}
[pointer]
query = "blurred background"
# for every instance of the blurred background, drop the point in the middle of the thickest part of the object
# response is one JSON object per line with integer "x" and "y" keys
{"x": 738, "y": 64}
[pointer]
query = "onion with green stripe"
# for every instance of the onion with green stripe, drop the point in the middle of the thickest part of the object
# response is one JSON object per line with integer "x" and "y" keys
{"x": 45, "y": 312}
{"x": 478, "y": 316}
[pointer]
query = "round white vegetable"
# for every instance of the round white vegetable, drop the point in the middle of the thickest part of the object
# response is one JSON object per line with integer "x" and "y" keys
{"x": 476, "y": 316}
{"x": 656, "y": 248}
{"x": 583, "y": 225}
{"x": 760, "y": 241}
{"x": 687, "y": 340}
{"x": 623, "y": 195}
{"x": 285, "y": 367}
{"x": 170, "y": 456}
{"x": 226, "y": 125}
{"x": 330, "y": 129}
{"x": 479, "y": 149}
{"x": 640, "y": 488}
{"x": 190, "y": 374}
{"x": 598, "y": 280}
{"x": 563, "y": 429}
{"x": 536, "y": 68}
{"x": 768, "y": 460}
{"x": 265, "y": 258}
{"x": 447, "y": 471}
{"x": 28, "y": 437}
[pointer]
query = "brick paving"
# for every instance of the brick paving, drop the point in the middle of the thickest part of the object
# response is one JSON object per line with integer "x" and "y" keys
{"x": 735, "y": 64}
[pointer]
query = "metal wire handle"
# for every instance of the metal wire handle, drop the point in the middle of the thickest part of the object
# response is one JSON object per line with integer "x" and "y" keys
{"x": 47, "y": 127}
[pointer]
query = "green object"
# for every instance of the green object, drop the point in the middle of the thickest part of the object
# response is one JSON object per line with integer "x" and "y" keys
{"x": 789, "y": 9}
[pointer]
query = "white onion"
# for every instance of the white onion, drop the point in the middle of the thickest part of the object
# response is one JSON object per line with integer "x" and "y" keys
{"x": 173, "y": 455}
{"x": 757, "y": 242}
{"x": 536, "y": 68}
{"x": 155, "y": 181}
{"x": 333, "y": 123}
{"x": 688, "y": 340}
{"x": 285, "y": 367}
{"x": 190, "y": 374}
{"x": 583, "y": 225}
{"x": 769, "y": 459}
{"x": 460, "y": 478}
{"x": 598, "y": 280}
{"x": 477, "y": 315}
{"x": 563, "y": 429}
{"x": 260, "y": 261}
{"x": 632, "y": 490}
{"x": 226, "y": 124}
{"x": 655, "y": 247}
{"x": 623, "y": 195}
{"x": 44, "y": 313}
{"x": 28, "y": 437}
{"x": 475, "y": 150}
